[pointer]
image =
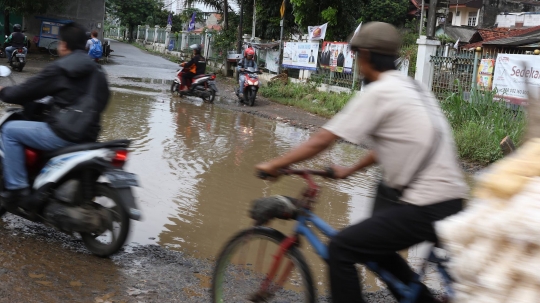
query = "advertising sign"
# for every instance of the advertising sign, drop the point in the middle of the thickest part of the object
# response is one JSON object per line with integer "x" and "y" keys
{"x": 515, "y": 75}
{"x": 300, "y": 55}
{"x": 485, "y": 74}
{"x": 337, "y": 57}
{"x": 272, "y": 61}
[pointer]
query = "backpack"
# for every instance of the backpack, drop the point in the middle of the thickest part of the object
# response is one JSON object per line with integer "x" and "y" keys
{"x": 96, "y": 51}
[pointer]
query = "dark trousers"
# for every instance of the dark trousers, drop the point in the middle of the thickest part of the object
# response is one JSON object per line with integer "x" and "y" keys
{"x": 377, "y": 239}
{"x": 187, "y": 78}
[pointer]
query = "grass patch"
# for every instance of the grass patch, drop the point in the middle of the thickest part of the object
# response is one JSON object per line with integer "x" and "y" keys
{"x": 480, "y": 124}
{"x": 307, "y": 97}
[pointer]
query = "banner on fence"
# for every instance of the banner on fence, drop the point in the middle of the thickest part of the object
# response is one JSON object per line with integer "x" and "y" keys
{"x": 272, "y": 61}
{"x": 300, "y": 55}
{"x": 484, "y": 79}
{"x": 337, "y": 57}
{"x": 317, "y": 32}
{"x": 515, "y": 75}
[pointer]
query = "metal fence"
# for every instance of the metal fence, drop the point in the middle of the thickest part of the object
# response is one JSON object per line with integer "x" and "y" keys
{"x": 150, "y": 36}
{"x": 161, "y": 35}
{"x": 454, "y": 70}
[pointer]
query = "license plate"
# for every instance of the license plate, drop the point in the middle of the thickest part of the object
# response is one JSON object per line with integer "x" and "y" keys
{"x": 121, "y": 179}
{"x": 20, "y": 55}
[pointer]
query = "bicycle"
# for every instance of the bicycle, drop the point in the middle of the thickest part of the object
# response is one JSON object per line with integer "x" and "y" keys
{"x": 53, "y": 48}
{"x": 273, "y": 283}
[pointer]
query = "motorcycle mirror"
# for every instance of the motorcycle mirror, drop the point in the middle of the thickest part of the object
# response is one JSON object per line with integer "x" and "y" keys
{"x": 5, "y": 71}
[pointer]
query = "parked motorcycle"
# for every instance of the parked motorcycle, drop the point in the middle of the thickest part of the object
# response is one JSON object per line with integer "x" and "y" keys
{"x": 18, "y": 58}
{"x": 251, "y": 86}
{"x": 82, "y": 189}
{"x": 202, "y": 86}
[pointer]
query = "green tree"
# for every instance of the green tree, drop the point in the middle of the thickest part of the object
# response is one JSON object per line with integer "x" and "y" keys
{"x": 29, "y": 7}
{"x": 134, "y": 12}
{"x": 390, "y": 11}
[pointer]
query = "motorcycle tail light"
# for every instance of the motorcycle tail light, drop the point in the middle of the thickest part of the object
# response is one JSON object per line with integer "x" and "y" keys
{"x": 213, "y": 76}
{"x": 119, "y": 158}
{"x": 20, "y": 50}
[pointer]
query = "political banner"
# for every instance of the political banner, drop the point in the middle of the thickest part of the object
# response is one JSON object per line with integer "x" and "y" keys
{"x": 272, "y": 61}
{"x": 515, "y": 75}
{"x": 300, "y": 55}
{"x": 484, "y": 79}
{"x": 317, "y": 32}
{"x": 337, "y": 57}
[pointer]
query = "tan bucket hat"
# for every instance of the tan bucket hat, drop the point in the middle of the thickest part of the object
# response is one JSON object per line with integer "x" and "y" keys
{"x": 378, "y": 37}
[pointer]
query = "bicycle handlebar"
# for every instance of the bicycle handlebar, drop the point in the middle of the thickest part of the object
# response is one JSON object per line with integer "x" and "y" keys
{"x": 328, "y": 172}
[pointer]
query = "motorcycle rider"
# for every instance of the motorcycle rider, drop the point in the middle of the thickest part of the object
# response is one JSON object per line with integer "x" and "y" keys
{"x": 247, "y": 61}
{"x": 17, "y": 40}
{"x": 196, "y": 66}
{"x": 412, "y": 141}
{"x": 65, "y": 80}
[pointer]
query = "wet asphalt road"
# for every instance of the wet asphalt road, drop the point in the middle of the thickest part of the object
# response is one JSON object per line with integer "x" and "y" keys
{"x": 39, "y": 264}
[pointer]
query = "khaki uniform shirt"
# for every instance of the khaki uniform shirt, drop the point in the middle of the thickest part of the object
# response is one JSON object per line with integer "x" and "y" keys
{"x": 392, "y": 112}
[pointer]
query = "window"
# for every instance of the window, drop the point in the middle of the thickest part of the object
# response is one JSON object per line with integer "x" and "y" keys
{"x": 472, "y": 19}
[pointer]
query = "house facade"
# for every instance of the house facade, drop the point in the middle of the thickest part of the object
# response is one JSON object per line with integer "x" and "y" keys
{"x": 464, "y": 12}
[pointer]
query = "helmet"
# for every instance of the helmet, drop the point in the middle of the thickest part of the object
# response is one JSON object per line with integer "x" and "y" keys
{"x": 17, "y": 28}
{"x": 250, "y": 52}
{"x": 197, "y": 48}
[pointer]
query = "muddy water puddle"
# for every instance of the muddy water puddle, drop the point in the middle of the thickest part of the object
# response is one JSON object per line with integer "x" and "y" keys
{"x": 195, "y": 164}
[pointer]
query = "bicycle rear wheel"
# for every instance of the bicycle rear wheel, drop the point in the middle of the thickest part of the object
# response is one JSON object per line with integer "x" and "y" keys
{"x": 243, "y": 271}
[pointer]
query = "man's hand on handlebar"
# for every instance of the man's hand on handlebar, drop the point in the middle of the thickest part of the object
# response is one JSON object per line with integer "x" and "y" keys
{"x": 267, "y": 171}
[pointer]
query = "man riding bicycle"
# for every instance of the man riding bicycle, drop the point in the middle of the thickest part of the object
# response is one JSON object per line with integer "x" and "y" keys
{"x": 413, "y": 144}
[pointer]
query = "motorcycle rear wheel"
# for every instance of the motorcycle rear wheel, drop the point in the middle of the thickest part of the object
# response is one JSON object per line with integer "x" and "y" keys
{"x": 212, "y": 96}
{"x": 119, "y": 232}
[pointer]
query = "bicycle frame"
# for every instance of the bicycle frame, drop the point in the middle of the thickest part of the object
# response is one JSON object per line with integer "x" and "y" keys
{"x": 409, "y": 293}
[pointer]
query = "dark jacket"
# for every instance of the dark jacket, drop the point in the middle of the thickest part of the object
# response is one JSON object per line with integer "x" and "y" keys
{"x": 17, "y": 39}
{"x": 64, "y": 80}
{"x": 197, "y": 65}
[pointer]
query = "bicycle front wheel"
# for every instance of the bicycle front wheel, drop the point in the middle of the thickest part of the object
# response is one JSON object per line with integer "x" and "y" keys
{"x": 247, "y": 271}
{"x": 53, "y": 48}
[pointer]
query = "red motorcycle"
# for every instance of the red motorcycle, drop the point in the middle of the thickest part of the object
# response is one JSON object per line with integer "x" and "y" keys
{"x": 251, "y": 86}
{"x": 201, "y": 86}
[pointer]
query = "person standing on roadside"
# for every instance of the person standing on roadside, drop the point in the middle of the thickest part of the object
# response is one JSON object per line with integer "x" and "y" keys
{"x": 412, "y": 142}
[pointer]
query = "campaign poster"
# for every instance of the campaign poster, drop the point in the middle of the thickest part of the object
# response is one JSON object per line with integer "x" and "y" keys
{"x": 300, "y": 55}
{"x": 337, "y": 57}
{"x": 485, "y": 74}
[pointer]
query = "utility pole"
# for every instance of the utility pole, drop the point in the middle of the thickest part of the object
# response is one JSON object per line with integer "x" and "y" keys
{"x": 432, "y": 19}
{"x": 240, "y": 27}
{"x": 254, "y": 21}
{"x": 282, "y": 11}
{"x": 422, "y": 17}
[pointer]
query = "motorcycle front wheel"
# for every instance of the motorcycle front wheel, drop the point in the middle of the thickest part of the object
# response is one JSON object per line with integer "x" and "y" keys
{"x": 251, "y": 97}
{"x": 174, "y": 87}
{"x": 110, "y": 241}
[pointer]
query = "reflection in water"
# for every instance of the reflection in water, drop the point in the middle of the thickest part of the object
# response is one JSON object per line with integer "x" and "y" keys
{"x": 195, "y": 163}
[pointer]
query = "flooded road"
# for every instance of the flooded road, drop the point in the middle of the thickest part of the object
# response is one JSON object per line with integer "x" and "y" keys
{"x": 195, "y": 166}
{"x": 195, "y": 163}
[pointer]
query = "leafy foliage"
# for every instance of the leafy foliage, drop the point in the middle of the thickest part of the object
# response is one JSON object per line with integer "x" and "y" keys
{"x": 32, "y": 6}
{"x": 135, "y": 12}
{"x": 390, "y": 11}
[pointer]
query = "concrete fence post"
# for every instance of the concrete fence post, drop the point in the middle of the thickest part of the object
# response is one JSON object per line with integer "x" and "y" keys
{"x": 138, "y": 31}
{"x": 146, "y": 33}
{"x": 156, "y": 33}
{"x": 424, "y": 68}
{"x": 168, "y": 30}
{"x": 477, "y": 55}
